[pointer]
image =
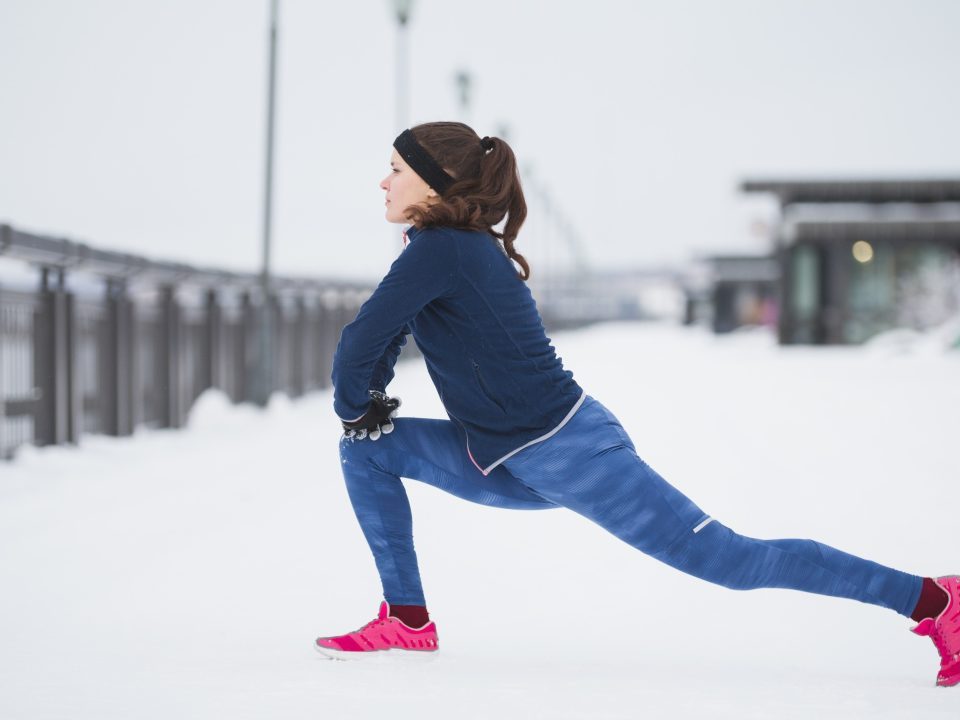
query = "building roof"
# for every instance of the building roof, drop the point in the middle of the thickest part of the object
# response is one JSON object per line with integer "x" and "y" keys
{"x": 858, "y": 191}
{"x": 743, "y": 268}
{"x": 944, "y": 231}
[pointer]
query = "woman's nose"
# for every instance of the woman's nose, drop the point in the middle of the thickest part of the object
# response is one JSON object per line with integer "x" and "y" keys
{"x": 385, "y": 183}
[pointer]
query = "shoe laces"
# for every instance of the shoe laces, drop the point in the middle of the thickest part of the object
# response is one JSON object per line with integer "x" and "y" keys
{"x": 936, "y": 632}
{"x": 940, "y": 642}
{"x": 373, "y": 623}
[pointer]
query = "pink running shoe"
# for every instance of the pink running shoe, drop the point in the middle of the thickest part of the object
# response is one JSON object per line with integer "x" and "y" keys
{"x": 385, "y": 635}
{"x": 944, "y": 630}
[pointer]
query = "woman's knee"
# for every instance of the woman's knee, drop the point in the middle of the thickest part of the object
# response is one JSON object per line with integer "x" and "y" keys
{"x": 353, "y": 451}
{"x": 354, "y": 443}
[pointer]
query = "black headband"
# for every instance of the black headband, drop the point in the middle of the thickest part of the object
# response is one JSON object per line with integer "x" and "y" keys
{"x": 420, "y": 161}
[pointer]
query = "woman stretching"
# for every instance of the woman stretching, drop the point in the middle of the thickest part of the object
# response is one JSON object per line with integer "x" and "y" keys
{"x": 522, "y": 434}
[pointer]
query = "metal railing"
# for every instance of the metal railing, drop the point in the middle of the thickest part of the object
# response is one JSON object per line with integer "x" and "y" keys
{"x": 105, "y": 342}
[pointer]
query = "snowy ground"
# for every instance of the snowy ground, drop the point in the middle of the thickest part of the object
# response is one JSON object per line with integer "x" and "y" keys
{"x": 185, "y": 574}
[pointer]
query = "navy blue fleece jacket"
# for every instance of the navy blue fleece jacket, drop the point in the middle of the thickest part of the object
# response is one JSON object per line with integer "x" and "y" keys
{"x": 477, "y": 325}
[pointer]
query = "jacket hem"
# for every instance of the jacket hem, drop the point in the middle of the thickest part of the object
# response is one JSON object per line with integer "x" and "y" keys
{"x": 573, "y": 410}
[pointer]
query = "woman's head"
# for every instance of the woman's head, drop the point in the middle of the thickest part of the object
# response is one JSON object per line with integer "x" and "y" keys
{"x": 461, "y": 181}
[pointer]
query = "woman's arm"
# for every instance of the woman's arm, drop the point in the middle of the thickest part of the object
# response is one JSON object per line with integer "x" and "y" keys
{"x": 383, "y": 370}
{"x": 427, "y": 269}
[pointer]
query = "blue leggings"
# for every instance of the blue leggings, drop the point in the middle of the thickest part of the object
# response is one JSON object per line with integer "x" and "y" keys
{"x": 591, "y": 467}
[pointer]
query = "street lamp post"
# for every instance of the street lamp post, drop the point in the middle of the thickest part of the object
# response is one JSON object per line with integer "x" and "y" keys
{"x": 264, "y": 380}
{"x": 402, "y": 9}
{"x": 464, "y": 84}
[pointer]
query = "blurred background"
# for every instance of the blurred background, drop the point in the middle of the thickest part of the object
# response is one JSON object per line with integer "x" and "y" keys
{"x": 189, "y": 194}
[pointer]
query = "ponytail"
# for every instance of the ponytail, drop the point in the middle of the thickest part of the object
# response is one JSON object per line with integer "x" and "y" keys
{"x": 486, "y": 187}
{"x": 499, "y": 172}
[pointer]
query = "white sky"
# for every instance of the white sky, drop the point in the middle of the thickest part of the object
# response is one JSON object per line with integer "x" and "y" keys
{"x": 139, "y": 125}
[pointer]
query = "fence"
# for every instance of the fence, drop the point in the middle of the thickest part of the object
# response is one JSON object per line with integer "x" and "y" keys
{"x": 105, "y": 342}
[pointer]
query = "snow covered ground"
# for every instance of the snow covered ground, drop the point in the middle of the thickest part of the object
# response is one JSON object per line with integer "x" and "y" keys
{"x": 185, "y": 574}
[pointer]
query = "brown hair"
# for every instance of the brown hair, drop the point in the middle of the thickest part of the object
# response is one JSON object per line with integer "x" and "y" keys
{"x": 486, "y": 186}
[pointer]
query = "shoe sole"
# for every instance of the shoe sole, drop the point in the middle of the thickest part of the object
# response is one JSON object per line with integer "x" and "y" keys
{"x": 391, "y": 655}
{"x": 950, "y": 681}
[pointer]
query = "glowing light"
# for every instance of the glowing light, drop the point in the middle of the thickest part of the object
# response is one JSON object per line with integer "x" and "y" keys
{"x": 862, "y": 251}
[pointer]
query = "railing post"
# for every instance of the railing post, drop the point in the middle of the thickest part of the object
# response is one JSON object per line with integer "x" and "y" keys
{"x": 168, "y": 365}
{"x": 278, "y": 365}
{"x": 298, "y": 382}
{"x": 212, "y": 351}
{"x": 52, "y": 361}
{"x": 117, "y": 355}
{"x": 74, "y": 388}
{"x": 44, "y": 375}
{"x": 127, "y": 360}
{"x": 247, "y": 349}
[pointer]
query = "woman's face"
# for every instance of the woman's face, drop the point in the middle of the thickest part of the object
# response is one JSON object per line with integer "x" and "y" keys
{"x": 404, "y": 188}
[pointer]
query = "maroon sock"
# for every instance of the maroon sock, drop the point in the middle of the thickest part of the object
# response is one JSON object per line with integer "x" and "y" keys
{"x": 410, "y": 615}
{"x": 932, "y": 601}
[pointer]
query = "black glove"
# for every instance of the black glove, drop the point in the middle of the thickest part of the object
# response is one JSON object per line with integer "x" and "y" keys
{"x": 375, "y": 420}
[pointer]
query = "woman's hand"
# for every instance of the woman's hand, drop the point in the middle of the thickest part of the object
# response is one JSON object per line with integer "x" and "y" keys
{"x": 376, "y": 420}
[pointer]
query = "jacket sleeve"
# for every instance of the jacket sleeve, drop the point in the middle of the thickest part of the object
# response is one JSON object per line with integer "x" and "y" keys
{"x": 427, "y": 268}
{"x": 383, "y": 370}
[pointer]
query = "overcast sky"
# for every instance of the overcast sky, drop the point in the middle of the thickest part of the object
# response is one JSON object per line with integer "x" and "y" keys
{"x": 139, "y": 125}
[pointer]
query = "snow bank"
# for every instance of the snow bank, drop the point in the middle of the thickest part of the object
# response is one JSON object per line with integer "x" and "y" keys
{"x": 943, "y": 338}
{"x": 185, "y": 574}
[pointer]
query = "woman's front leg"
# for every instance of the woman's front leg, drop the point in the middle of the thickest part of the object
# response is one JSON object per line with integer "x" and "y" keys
{"x": 430, "y": 451}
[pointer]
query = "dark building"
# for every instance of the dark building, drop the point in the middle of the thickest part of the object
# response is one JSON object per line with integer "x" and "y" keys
{"x": 861, "y": 257}
{"x": 732, "y": 291}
